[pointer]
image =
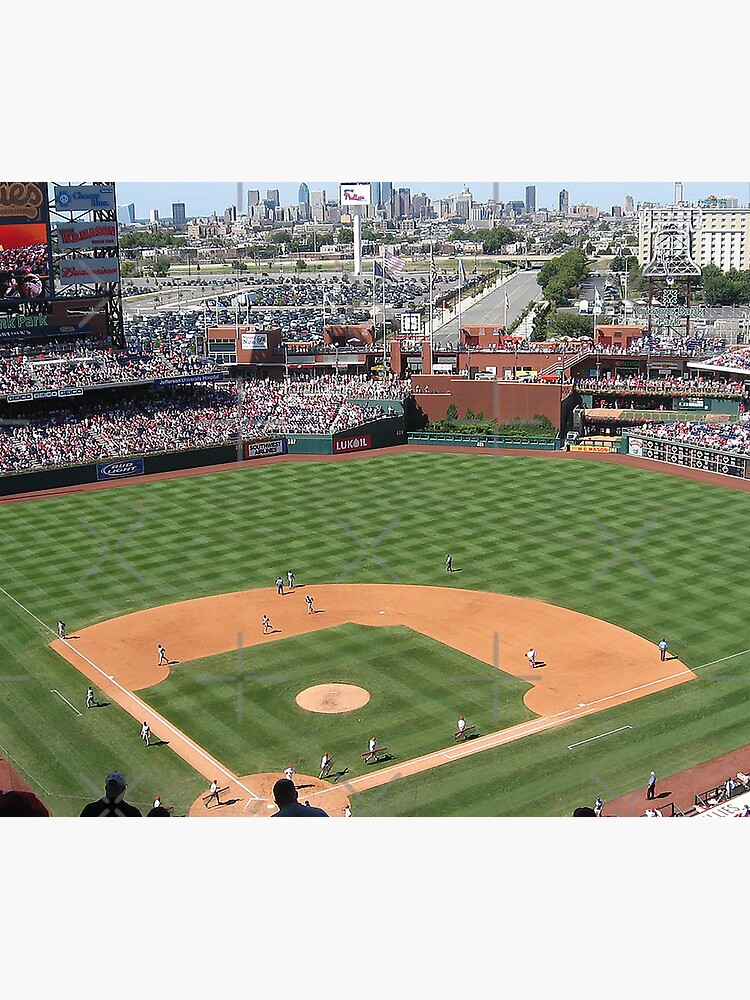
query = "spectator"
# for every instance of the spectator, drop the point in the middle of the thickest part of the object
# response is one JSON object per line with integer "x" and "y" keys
{"x": 112, "y": 802}
{"x": 17, "y": 803}
{"x": 285, "y": 796}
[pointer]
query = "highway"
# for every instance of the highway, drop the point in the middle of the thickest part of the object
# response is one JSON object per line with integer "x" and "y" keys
{"x": 490, "y": 311}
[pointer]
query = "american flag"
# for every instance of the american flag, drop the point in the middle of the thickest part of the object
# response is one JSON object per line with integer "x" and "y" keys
{"x": 507, "y": 301}
{"x": 393, "y": 265}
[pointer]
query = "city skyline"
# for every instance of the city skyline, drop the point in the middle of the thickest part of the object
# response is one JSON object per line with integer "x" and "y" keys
{"x": 202, "y": 198}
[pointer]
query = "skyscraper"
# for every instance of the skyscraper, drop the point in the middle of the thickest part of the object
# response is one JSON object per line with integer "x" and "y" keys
{"x": 531, "y": 198}
{"x": 629, "y": 205}
{"x": 375, "y": 193}
{"x": 386, "y": 190}
{"x": 272, "y": 194}
{"x": 303, "y": 197}
{"x": 677, "y": 192}
{"x": 253, "y": 199}
{"x": 153, "y": 216}
{"x": 564, "y": 202}
{"x": 178, "y": 213}
{"x": 126, "y": 214}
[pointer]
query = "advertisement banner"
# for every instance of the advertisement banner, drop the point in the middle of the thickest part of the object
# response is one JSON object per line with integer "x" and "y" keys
{"x": 254, "y": 341}
{"x": 261, "y": 449}
{"x": 359, "y": 443}
{"x": 89, "y": 271}
{"x": 25, "y": 254}
{"x": 354, "y": 194}
{"x": 635, "y": 447}
{"x": 119, "y": 470}
{"x": 87, "y": 234}
{"x": 85, "y": 198}
{"x": 189, "y": 379}
{"x": 25, "y": 397}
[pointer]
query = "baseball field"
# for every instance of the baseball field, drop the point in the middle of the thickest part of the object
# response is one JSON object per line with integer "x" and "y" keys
{"x": 590, "y": 564}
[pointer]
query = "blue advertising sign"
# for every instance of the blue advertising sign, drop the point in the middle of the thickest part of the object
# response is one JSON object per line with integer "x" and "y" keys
{"x": 85, "y": 198}
{"x": 119, "y": 470}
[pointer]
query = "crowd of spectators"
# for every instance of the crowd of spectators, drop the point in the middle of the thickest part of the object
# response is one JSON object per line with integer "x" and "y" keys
{"x": 24, "y": 272}
{"x": 669, "y": 386}
{"x": 162, "y": 420}
{"x": 664, "y": 344}
{"x": 49, "y": 369}
{"x": 733, "y": 436}
{"x": 736, "y": 358}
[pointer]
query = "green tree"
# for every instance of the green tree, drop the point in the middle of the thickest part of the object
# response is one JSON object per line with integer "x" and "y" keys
{"x": 162, "y": 265}
{"x": 301, "y": 265}
{"x": 497, "y": 238}
{"x": 452, "y": 413}
{"x": 345, "y": 235}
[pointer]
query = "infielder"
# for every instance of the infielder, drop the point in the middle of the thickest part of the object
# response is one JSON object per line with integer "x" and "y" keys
{"x": 449, "y": 564}
{"x": 266, "y": 624}
{"x": 89, "y": 697}
{"x": 309, "y": 602}
{"x": 146, "y": 734}
{"x": 279, "y": 586}
{"x": 61, "y": 630}
{"x": 290, "y": 578}
{"x": 325, "y": 764}
{"x": 531, "y": 657}
{"x": 162, "y": 655}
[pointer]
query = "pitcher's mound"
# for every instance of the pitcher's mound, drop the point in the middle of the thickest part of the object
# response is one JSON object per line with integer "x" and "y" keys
{"x": 332, "y": 698}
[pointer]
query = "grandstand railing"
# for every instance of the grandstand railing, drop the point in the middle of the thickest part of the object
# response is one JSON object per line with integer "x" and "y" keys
{"x": 485, "y": 440}
{"x": 713, "y": 796}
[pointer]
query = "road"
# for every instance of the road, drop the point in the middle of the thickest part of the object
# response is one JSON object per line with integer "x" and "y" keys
{"x": 490, "y": 311}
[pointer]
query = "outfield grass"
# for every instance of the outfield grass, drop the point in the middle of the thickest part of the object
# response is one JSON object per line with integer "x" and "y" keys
{"x": 639, "y": 548}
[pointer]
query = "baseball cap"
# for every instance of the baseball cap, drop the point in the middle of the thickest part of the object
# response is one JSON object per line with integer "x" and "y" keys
{"x": 117, "y": 777}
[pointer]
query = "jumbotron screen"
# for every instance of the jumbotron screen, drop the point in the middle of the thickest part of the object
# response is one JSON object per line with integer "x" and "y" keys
{"x": 25, "y": 252}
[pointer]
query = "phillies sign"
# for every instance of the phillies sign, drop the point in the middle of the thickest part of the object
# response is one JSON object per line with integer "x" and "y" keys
{"x": 87, "y": 234}
{"x": 359, "y": 443}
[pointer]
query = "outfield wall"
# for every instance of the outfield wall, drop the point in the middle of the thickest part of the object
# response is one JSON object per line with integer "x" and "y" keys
{"x": 691, "y": 456}
{"x": 383, "y": 433}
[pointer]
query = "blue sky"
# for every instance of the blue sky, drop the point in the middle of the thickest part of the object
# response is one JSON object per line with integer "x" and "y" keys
{"x": 203, "y": 198}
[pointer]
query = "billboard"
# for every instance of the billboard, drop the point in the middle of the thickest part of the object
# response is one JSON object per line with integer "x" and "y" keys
{"x": 119, "y": 470}
{"x": 25, "y": 255}
{"x": 354, "y": 194}
{"x": 85, "y": 235}
{"x": 254, "y": 341}
{"x": 89, "y": 270}
{"x": 85, "y": 198}
{"x": 359, "y": 443}
{"x": 262, "y": 449}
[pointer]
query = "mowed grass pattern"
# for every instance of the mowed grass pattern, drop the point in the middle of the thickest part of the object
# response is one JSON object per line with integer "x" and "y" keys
{"x": 250, "y": 720}
{"x": 650, "y": 552}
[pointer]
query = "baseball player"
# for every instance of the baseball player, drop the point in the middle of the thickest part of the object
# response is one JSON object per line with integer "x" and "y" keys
{"x": 146, "y": 734}
{"x": 347, "y": 811}
{"x": 598, "y": 806}
{"x": 89, "y": 697}
{"x": 325, "y": 764}
{"x": 157, "y": 802}
{"x": 290, "y": 578}
{"x": 214, "y": 790}
{"x": 531, "y": 657}
{"x": 449, "y": 564}
{"x": 461, "y": 724}
{"x": 289, "y": 773}
{"x": 162, "y": 655}
{"x": 309, "y": 602}
{"x": 61, "y": 630}
{"x": 279, "y": 586}
{"x": 266, "y": 624}
{"x": 663, "y": 647}
{"x": 373, "y": 744}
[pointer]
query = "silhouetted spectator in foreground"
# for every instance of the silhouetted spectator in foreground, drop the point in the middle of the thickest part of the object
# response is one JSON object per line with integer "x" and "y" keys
{"x": 13, "y": 803}
{"x": 584, "y": 811}
{"x": 111, "y": 803}
{"x": 285, "y": 796}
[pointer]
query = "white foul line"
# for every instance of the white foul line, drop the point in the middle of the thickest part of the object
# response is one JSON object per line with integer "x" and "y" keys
{"x": 141, "y": 704}
{"x": 55, "y": 691}
{"x": 600, "y": 736}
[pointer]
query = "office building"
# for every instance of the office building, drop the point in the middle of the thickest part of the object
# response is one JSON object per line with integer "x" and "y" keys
{"x": 564, "y": 201}
{"x": 273, "y": 196}
{"x": 515, "y": 207}
{"x": 714, "y": 235}
{"x": 375, "y": 194}
{"x": 530, "y": 198}
{"x": 253, "y": 199}
{"x": 616, "y": 212}
{"x": 318, "y": 205}
{"x": 153, "y": 216}
{"x": 230, "y": 215}
{"x": 386, "y": 190}
{"x": 178, "y": 213}
{"x": 727, "y": 202}
{"x": 629, "y": 205}
{"x": 126, "y": 214}
{"x": 678, "y": 192}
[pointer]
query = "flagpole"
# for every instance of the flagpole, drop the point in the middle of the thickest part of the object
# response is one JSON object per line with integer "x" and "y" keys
{"x": 382, "y": 278}
{"x": 374, "y": 301}
{"x": 432, "y": 324}
{"x": 460, "y": 283}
